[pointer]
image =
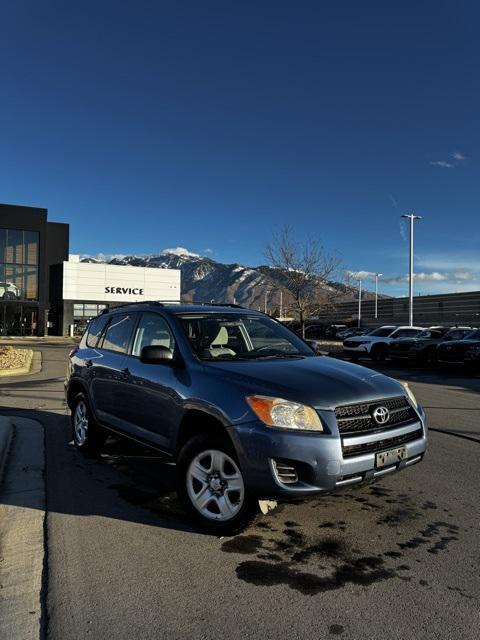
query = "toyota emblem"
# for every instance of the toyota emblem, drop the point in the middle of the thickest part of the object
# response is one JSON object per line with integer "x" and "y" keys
{"x": 381, "y": 415}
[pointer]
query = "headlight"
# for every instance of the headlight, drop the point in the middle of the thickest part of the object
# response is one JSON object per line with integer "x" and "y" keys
{"x": 410, "y": 393}
{"x": 275, "y": 412}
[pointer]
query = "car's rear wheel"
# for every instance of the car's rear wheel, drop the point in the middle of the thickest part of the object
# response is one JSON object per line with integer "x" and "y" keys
{"x": 211, "y": 485}
{"x": 87, "y": 435}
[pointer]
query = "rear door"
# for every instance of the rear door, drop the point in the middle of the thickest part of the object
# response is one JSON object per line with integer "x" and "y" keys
{"x": 108, "y": 371}
{"x": 152, "y": 390}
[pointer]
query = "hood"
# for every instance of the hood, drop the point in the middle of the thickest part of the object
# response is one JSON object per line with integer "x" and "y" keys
{"x": 321, "y": 382}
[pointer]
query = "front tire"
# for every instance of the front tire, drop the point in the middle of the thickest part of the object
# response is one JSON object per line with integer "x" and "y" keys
{"x": 87, "y": 435}
{"x": 211, "y": 486}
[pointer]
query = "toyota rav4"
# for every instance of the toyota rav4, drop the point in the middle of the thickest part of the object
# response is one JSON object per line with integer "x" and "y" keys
{"x": 244, "y": 406}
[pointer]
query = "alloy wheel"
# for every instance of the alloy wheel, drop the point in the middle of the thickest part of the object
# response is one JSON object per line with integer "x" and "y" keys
{"x": 80, "y": 423}
{"x": 215, "y": 485}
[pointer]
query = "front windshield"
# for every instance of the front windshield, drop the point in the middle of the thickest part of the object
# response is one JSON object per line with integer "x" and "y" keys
{"x": 241, "y": 337}
{"x": 382, "y": 332}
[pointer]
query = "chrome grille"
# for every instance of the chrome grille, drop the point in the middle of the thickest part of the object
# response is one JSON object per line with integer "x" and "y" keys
{"x": 357, "y": 418}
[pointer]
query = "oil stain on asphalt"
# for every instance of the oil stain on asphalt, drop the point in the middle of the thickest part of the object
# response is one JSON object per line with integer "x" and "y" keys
{"x": 327, "y": 562}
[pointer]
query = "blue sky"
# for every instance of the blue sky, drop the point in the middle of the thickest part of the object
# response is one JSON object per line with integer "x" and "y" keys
{"x": 210, "y": 124}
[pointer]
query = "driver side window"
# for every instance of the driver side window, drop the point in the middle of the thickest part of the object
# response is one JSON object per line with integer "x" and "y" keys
{"x": 152, "y": 330}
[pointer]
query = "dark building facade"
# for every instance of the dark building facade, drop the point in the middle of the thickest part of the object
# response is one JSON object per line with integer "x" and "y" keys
{"x": 442, "y": 309}
{"x": 32, "y": 251}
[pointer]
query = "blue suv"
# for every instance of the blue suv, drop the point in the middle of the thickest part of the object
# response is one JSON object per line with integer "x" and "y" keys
{"x": 245, "y": 407}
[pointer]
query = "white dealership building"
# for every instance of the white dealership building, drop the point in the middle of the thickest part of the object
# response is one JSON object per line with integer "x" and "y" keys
{"x": 88, "y": 287}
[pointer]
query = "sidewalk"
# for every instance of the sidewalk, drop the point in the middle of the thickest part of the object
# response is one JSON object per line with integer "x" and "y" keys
{"x": 22, "y": 515}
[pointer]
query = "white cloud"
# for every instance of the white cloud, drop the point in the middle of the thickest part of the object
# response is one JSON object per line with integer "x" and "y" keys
{"x": 435, "y": 276}
{"x": 360, "y": 275}
{"x": 443, "y": 164}
{"x": 208, "y": 251}
{"x": 181, "y": 251}
{"x": 104, "y": 257}
{"x": 458, "y": 156}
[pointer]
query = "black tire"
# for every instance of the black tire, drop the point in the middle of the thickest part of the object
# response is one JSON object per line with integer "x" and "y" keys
{"x": 94, "y": 437}
{"x": 193, "y": 449}
{"x": 378, "y": 352}
{"x": 430, "y": 358}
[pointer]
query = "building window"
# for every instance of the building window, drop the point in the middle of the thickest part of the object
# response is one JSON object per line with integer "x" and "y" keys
{"x": 19, "y": 264}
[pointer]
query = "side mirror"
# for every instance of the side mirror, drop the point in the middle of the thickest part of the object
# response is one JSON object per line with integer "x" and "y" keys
{"x": 156, "y": 354}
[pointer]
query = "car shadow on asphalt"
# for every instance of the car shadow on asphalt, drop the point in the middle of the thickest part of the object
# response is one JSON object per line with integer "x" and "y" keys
{"x": 125, "y": 481}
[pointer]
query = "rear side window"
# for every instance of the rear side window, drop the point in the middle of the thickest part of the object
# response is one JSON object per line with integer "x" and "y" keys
{"x": 95, "y": 329}
{"x": 119, "y": 331}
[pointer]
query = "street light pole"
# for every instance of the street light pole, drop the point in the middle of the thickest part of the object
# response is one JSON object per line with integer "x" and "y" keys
{"x": 281, "y": 304}
{"x": 377, "y": 276}
{"x": 412, "y": 219}
{"x": 359, "y": 304}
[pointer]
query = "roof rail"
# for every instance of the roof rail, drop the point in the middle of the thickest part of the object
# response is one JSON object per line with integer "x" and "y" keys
{"x": 218, "y": 304}
{"x": 132, "y": 304}
{"x": 164, "y": 302}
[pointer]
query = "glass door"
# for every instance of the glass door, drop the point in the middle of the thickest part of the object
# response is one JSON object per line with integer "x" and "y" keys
{"x": 12, "y": 321}
{"x": 29, "y": 321}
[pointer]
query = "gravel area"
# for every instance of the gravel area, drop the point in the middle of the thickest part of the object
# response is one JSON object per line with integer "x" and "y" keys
{"x": 11, "y": 358}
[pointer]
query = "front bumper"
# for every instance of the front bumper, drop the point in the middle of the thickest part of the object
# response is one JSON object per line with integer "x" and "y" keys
{"x": 318, "y": 458}
{"x": 361, "y": 348}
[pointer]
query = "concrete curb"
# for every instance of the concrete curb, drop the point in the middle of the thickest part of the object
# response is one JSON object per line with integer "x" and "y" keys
{"x": 22, "y": 532}
{"x": 6, "y": 434}
{"x": 21, "y": 371}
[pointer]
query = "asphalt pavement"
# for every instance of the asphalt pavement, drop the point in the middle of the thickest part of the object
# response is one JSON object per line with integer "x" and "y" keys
{"x": 399, "y": 558}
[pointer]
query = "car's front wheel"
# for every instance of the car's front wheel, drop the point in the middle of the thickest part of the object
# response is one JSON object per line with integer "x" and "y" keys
{"x": 87, "y": 435}
{"x": 211, "y": 485}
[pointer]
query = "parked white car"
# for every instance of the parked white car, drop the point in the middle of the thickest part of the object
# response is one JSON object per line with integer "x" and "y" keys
{"x": 374, "y": 345}
{"x": 9, "y": 291}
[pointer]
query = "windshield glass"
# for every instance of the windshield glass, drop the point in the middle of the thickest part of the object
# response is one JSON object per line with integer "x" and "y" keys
{"x": 430, "y": 333}
{"x": 474, "y": 335}
{"x": 406, "y": 333}
{"x": 382, "y": 332}
{"x": 241, "y": 337}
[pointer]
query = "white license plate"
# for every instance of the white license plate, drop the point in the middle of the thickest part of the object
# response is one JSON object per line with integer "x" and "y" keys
{"x": 390, "y": 457}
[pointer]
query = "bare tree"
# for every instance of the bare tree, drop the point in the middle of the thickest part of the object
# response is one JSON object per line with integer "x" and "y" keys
{"x": 305, "y": 270}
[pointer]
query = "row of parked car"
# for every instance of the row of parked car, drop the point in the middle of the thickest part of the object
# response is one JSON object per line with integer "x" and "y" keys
{"x": 417, "y": 345}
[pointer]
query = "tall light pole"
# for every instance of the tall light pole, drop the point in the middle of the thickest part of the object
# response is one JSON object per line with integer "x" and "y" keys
{"x": 412, "y": 217}
{"x": 377, "y": 276}
{"x": 359, "y": 303}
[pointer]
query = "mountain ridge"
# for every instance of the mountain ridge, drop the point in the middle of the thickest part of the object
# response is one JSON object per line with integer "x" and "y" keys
{"x": 204, "y": 279}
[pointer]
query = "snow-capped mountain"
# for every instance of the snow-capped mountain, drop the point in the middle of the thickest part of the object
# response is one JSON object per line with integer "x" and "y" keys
{"x": 204, "y": 279}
